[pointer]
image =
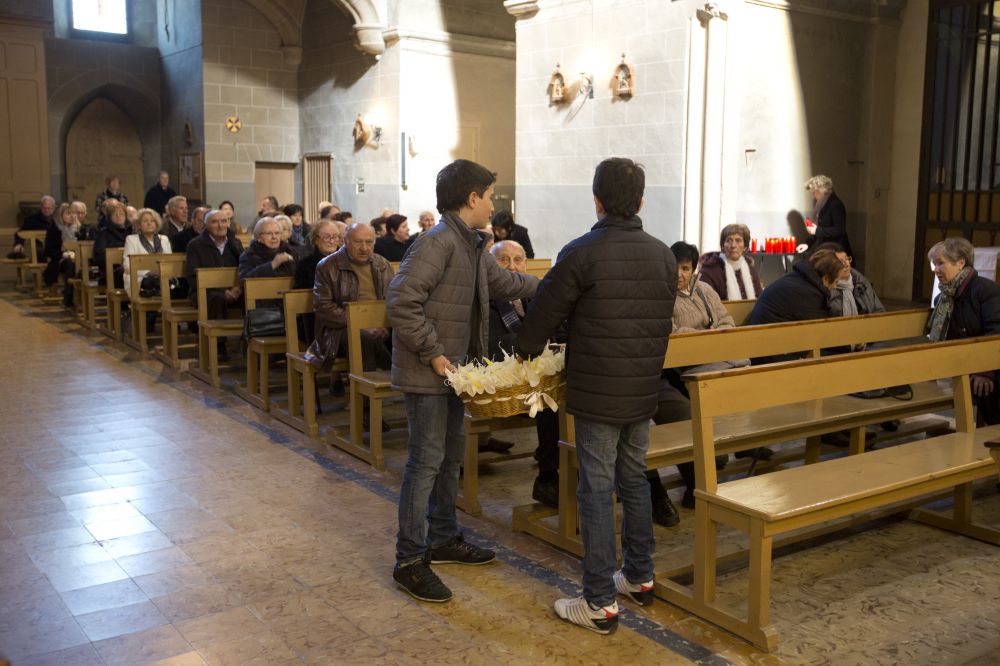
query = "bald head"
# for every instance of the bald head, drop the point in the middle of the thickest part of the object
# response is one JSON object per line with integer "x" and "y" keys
{"x": 510, "y": 255}
{"x": 360, "y": 243}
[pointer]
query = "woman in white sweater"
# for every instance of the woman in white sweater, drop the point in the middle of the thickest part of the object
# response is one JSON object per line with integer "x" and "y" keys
{"x": 148, "y": 240}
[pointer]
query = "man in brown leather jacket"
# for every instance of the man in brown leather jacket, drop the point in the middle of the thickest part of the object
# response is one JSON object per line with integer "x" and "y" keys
{"x": 352, "y": 273}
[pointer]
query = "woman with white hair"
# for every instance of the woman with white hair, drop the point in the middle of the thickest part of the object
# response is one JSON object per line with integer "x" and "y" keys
{"x": 298, "y": 249}
{"x": 968, "y": 306}
{"x": 268, "y": 255}
{"x": 829, "y": 216}
{"x": 146, "y": 240}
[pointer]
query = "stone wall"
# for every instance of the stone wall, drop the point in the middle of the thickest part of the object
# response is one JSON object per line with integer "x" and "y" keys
{"x": 246, "y": 75}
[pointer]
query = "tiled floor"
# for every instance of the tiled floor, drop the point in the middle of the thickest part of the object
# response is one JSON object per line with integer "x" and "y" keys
{"x": 145, "y": 518}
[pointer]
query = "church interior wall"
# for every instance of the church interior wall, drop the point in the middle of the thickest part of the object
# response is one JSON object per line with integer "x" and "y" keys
{"x": 336, "y": 84}
{"x": 245, "y": 75}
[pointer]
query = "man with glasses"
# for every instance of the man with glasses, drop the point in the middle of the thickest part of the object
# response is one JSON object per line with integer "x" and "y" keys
{"x": 352, "y": 273}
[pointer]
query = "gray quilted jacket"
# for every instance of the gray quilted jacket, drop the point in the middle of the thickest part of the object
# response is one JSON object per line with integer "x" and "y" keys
{"x": 430, "y": 303}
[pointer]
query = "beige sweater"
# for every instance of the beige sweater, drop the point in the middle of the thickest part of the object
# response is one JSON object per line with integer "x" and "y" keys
{"x": 690, "y": 313}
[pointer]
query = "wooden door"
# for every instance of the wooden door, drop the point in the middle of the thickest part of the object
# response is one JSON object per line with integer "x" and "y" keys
{"x": 274, "y": 179}
{"x": 103, "y": 141}
{"x": 24, "y": 145}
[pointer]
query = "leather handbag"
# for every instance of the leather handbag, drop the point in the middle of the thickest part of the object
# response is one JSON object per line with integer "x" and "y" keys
{"x": 149, "y": 285}
{"x": 264, "y": 323}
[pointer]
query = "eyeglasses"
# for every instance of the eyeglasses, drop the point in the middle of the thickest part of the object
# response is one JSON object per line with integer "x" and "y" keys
{"x": 329, "y": 239}
{"x": 269, "y": 233}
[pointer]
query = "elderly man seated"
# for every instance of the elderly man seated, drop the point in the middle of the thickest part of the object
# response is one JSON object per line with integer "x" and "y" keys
{"x": 40, "y": 221}
{"x": 214, "y": 248}
{"x": 505, "y": 322}
{"x": 352, "y": 273}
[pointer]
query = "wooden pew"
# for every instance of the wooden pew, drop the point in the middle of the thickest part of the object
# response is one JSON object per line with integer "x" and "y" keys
{"x": 375, "y": 386}
{"x": 794, "y": 499}
{"x": 84, "y": 251}
{"x": 113, "y": 256}
{"x": 142, "y": 305}
{"x": 210, "y": 330}
{"x": 302, "y": 407}
{"x": 174, "y": 313}
{"x": 672, "y": 443}
{"x": 259, "y": 349}
{"x": 6, "y": 242}
{"x": 32, "y": 270}
{"x": 537, "y": 267}
{"x": 739, "y": 310}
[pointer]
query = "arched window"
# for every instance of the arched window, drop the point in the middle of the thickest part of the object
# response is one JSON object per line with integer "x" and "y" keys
{"x": 108, "y": 17}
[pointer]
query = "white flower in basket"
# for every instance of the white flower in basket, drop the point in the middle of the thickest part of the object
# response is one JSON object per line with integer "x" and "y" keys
{"x": 509, "y": 380}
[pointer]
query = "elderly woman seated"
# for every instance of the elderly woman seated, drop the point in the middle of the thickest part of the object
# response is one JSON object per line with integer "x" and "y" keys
{"x": 968, "y": 306}
{"x": 326, "y": 238}
{"x": 146, "y": 240}
{"x": 110, "y": 236}
{"x": 730, "y": 272}
{"x": 697, "y": 308}
{"x": 267, "y": 255}
{"x": 65, "y": 228}
{"x": 298, "y": 249}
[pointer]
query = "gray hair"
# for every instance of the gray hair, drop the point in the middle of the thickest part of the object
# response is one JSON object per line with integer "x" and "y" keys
{"x": 47, "y": 198}
{"x": 258, "y": 227}
{"x": 174, "y": 202}
{"x": 317, "y": 229}
{"x": 283, "y": 220}
{"x": 820, "y": 183}
{"x": 508, "y": 243}
{"x": 953, "y": 249}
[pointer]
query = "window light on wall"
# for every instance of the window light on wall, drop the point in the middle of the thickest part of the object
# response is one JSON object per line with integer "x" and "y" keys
{"x": 107, "y": 16}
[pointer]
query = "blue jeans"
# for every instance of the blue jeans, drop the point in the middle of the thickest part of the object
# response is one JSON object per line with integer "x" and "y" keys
{"x": 613, "y": 457}
{"x": 436, "y": 448}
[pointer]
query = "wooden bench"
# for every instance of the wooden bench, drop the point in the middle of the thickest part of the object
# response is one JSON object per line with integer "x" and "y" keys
{"x": 259, "y": 349}
{"x": 672, "y": 443}
{"x": 31, "y": 270}
{"x": 142, "y": 305}
{"x": 6, "y": 241}
{"x": 373, "y": 386}
{"x": 301, "y": 409}
{"x": 174, "y": 313}
{"x": 211, "y": 330}
{"x": 84, "y": 252}
{"x": 537, "y": 267}
{"x": 738, "y": 310}
{"x": 767, "y": 506}
{"x": 115, "y": 296}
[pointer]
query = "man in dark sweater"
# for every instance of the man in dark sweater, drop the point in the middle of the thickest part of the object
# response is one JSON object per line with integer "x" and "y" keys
{"x": 614, "y": 287}
{"x": 40, "y": 221}
{"x": 214, "y": 248}
{"x": 159, "y": 194}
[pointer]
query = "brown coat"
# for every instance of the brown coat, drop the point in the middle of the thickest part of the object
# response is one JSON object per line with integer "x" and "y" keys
{"x": 336, "y": 284}
{"x": 690, "y": 313}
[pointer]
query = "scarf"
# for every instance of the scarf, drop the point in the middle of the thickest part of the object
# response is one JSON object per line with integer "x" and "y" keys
{"x": 732, "y": 286}
{"x": 846, "y": 287}
{"x": 937, "y": 327}
{"x": 819, "y": 207}
{"x": 156, "y": 247}
{"x": 68, "y": 231}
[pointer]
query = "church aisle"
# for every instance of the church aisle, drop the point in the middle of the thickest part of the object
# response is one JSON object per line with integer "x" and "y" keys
{"x": 148, "y": 520}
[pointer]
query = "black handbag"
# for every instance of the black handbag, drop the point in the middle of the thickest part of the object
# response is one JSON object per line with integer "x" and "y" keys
{"x": 149, "y": 285}
{"x": 179, "y": 288}
{"x": 264, "y": 323}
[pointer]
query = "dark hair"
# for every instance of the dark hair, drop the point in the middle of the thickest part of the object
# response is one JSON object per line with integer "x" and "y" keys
{"x": 377, "y": 223}
{"x": 393, "y": 221}
{"x": 502, "y": 219}
{"x": 292, "y": 209}
{"x": 685, "y": 252}
{"x": 219, "y": 207}
{"x": 458, "y": 180}
{"x": 274, "y": 201}
{"x": 618, "y": 185}
{"x": 343, "y": 215}
{"x": 324, "y": 211}
{"x": 826, "y": 263}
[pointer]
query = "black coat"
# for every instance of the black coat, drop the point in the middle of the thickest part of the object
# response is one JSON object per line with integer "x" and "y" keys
{"x": 615, "y": 287}
{"x": 180, "y": 240}
{"x": 305, "y": 271}
{"x": 108, "y": 237}
{"x": 831, "y": 224}
{"x": 796, "y": 296}
{"x": 977, "y": 309}
{"x": 157, "y": 198}
{"x": 392, "y": 249}
{"x": 202, "y": 253}
{"x": 256, "y": 262}
{"x": 34, "y": 222}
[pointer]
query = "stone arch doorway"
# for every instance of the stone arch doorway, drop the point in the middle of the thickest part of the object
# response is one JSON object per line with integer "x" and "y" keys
{"x": 102, "y": 140}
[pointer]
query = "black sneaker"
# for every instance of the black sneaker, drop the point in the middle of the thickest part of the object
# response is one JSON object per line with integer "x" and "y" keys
{"x": 459, "y": 551}
{"x": 664, "y": 512}
{"x": 546, "y": 491}
{"x": 420, "y": 582}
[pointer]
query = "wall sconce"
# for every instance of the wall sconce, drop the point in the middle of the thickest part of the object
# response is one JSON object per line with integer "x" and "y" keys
{"x": 624, "y": 82}
{"x": 557, "y": 87}
{"x": 365, "y": 134}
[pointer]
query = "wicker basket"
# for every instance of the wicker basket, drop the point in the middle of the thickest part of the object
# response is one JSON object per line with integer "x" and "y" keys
{"x": 510, "y": 401}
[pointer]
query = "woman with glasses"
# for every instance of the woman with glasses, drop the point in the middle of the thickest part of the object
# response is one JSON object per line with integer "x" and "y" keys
{"x": 267, "y": 255}
{"x": 325, "y": 238}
